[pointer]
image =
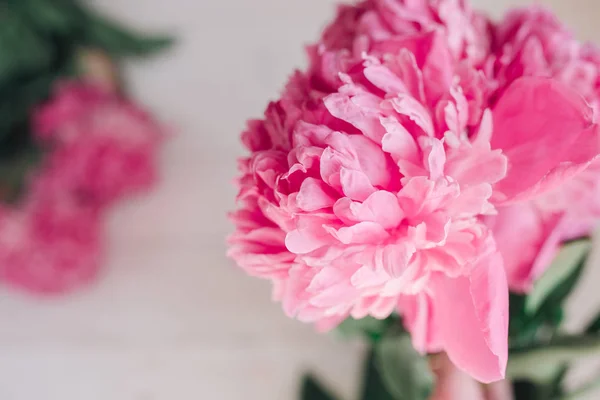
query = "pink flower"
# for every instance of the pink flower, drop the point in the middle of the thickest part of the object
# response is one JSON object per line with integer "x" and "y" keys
{"x": 367, "y": 196}
{"x": 50, "y": 244}
{"x": 532, "y": 42}
{"x": 104, "y": 144}
{"x": 99, "y": 147}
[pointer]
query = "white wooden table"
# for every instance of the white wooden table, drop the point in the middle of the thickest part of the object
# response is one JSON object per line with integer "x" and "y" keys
{"x": 171, "y": 317}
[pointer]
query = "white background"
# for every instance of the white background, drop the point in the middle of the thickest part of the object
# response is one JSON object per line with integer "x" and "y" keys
{"x": 171, "y": 318}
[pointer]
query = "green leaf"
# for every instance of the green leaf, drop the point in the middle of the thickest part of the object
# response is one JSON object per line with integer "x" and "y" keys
{"x": 14, "y": 171}
{"x": 312, "y": 390}
{"x": 373, "y": 387}
{"x": 405, "y": 372}
{"x": 51, "y": 17}
{"x": 541, "y": 364}
{"x": 560, "y": 278}
{"x": 528, "y": 390}
{"x": 117, "y": 41}
{"x": 22, "y": 50}
{"x": 369, "y": 327}
{"x": 594, "y": 326}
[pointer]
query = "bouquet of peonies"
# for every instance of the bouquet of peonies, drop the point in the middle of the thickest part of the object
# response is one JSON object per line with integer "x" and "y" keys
{"x": 430, "y": 183}
{"x": 71, "y": 144}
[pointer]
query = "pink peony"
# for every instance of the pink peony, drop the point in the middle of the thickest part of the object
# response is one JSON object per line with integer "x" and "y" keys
{"x": 532, "y": 42}
{"x": 104, "y": 144}
{"x": 51, "y": 243}
{"x": 366, "y": 196}
{"x": 99, "y": 148}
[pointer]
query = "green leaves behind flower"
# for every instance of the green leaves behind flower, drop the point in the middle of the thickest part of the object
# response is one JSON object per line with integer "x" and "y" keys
{"x": 51, "y": 17}
{"x": 312, "y": 390}
{"x": 74, "y": 23}
{"x": 370, "y": 328}
{"x": 105, "y": 34}
{"x": 541, "y": 363}
{"x": 404, "y": 372}
{"x": 373, "y": 386}
{"x": 23, "y": 50}
{"x": 560, "y": 278}
{"x": 13, "y": 172}
{"x": 393, "y": 369}
{"x": 539, "y": 315}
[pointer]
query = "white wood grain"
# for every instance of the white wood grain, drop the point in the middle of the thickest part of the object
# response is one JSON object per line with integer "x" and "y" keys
{"x": 171, "y": 318}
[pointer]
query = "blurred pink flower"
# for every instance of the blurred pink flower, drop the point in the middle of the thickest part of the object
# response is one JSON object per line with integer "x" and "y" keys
{"x": 532, "y": 42}
{"x": 99, "y": 147}
{"x": 51, "y": 243}
{"x": 367, "y": 196}
{"x": 104, "y": 145}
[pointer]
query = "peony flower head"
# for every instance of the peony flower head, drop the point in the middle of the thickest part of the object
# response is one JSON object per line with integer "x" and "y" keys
{"x": 102, "y": 143}
{"x": 99, "y": 147}
{"x": 368, "y": 195}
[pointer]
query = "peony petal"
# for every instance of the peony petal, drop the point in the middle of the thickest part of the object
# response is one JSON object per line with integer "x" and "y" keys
{"x": 519, "y": 232}
{"x": 384, "y": 79}
{"x": 548, "y": 133}
{"x": 371, "y": 159}
{"x": 355, "y": 184}
{"x": 309, "y": 234}
{"x": 381, "y": 207}
{"x": 398, "y": 141}
{"x": 476, "y": 165}
{"x": 313, "y": 195}
{"x": 361, "y": 233}
{"x": 417, "y": 315}
{"x": 407, "y": 105}
{"x": 472, "y": 317}
{"x": 434, "y": 157}
{"x": 357, "y": 111}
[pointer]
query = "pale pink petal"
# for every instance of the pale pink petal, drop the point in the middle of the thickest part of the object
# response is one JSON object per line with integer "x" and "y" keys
{"x": 363, "y": 232}
{"x": 472, "y": 315}
{"x": 313, "y": 195}
{"x": 395, "y": 259}
{"x": 381, "y": 76}
{"x": 366, "y": 119}
{"x": 547, "y": 132}
{"x": 398, "y": 141}
{"x": 356, "y": 184}
{"x": 381, "y": 207}
{"x": 309, "y": 234}
{"x": 372, "y": 160}
{"x": 418, "y": 317}
{"x": 408, "y": 106}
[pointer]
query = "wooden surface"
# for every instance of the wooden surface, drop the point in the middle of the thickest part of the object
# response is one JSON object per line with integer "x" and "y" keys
{"x": 171, "y": 318}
